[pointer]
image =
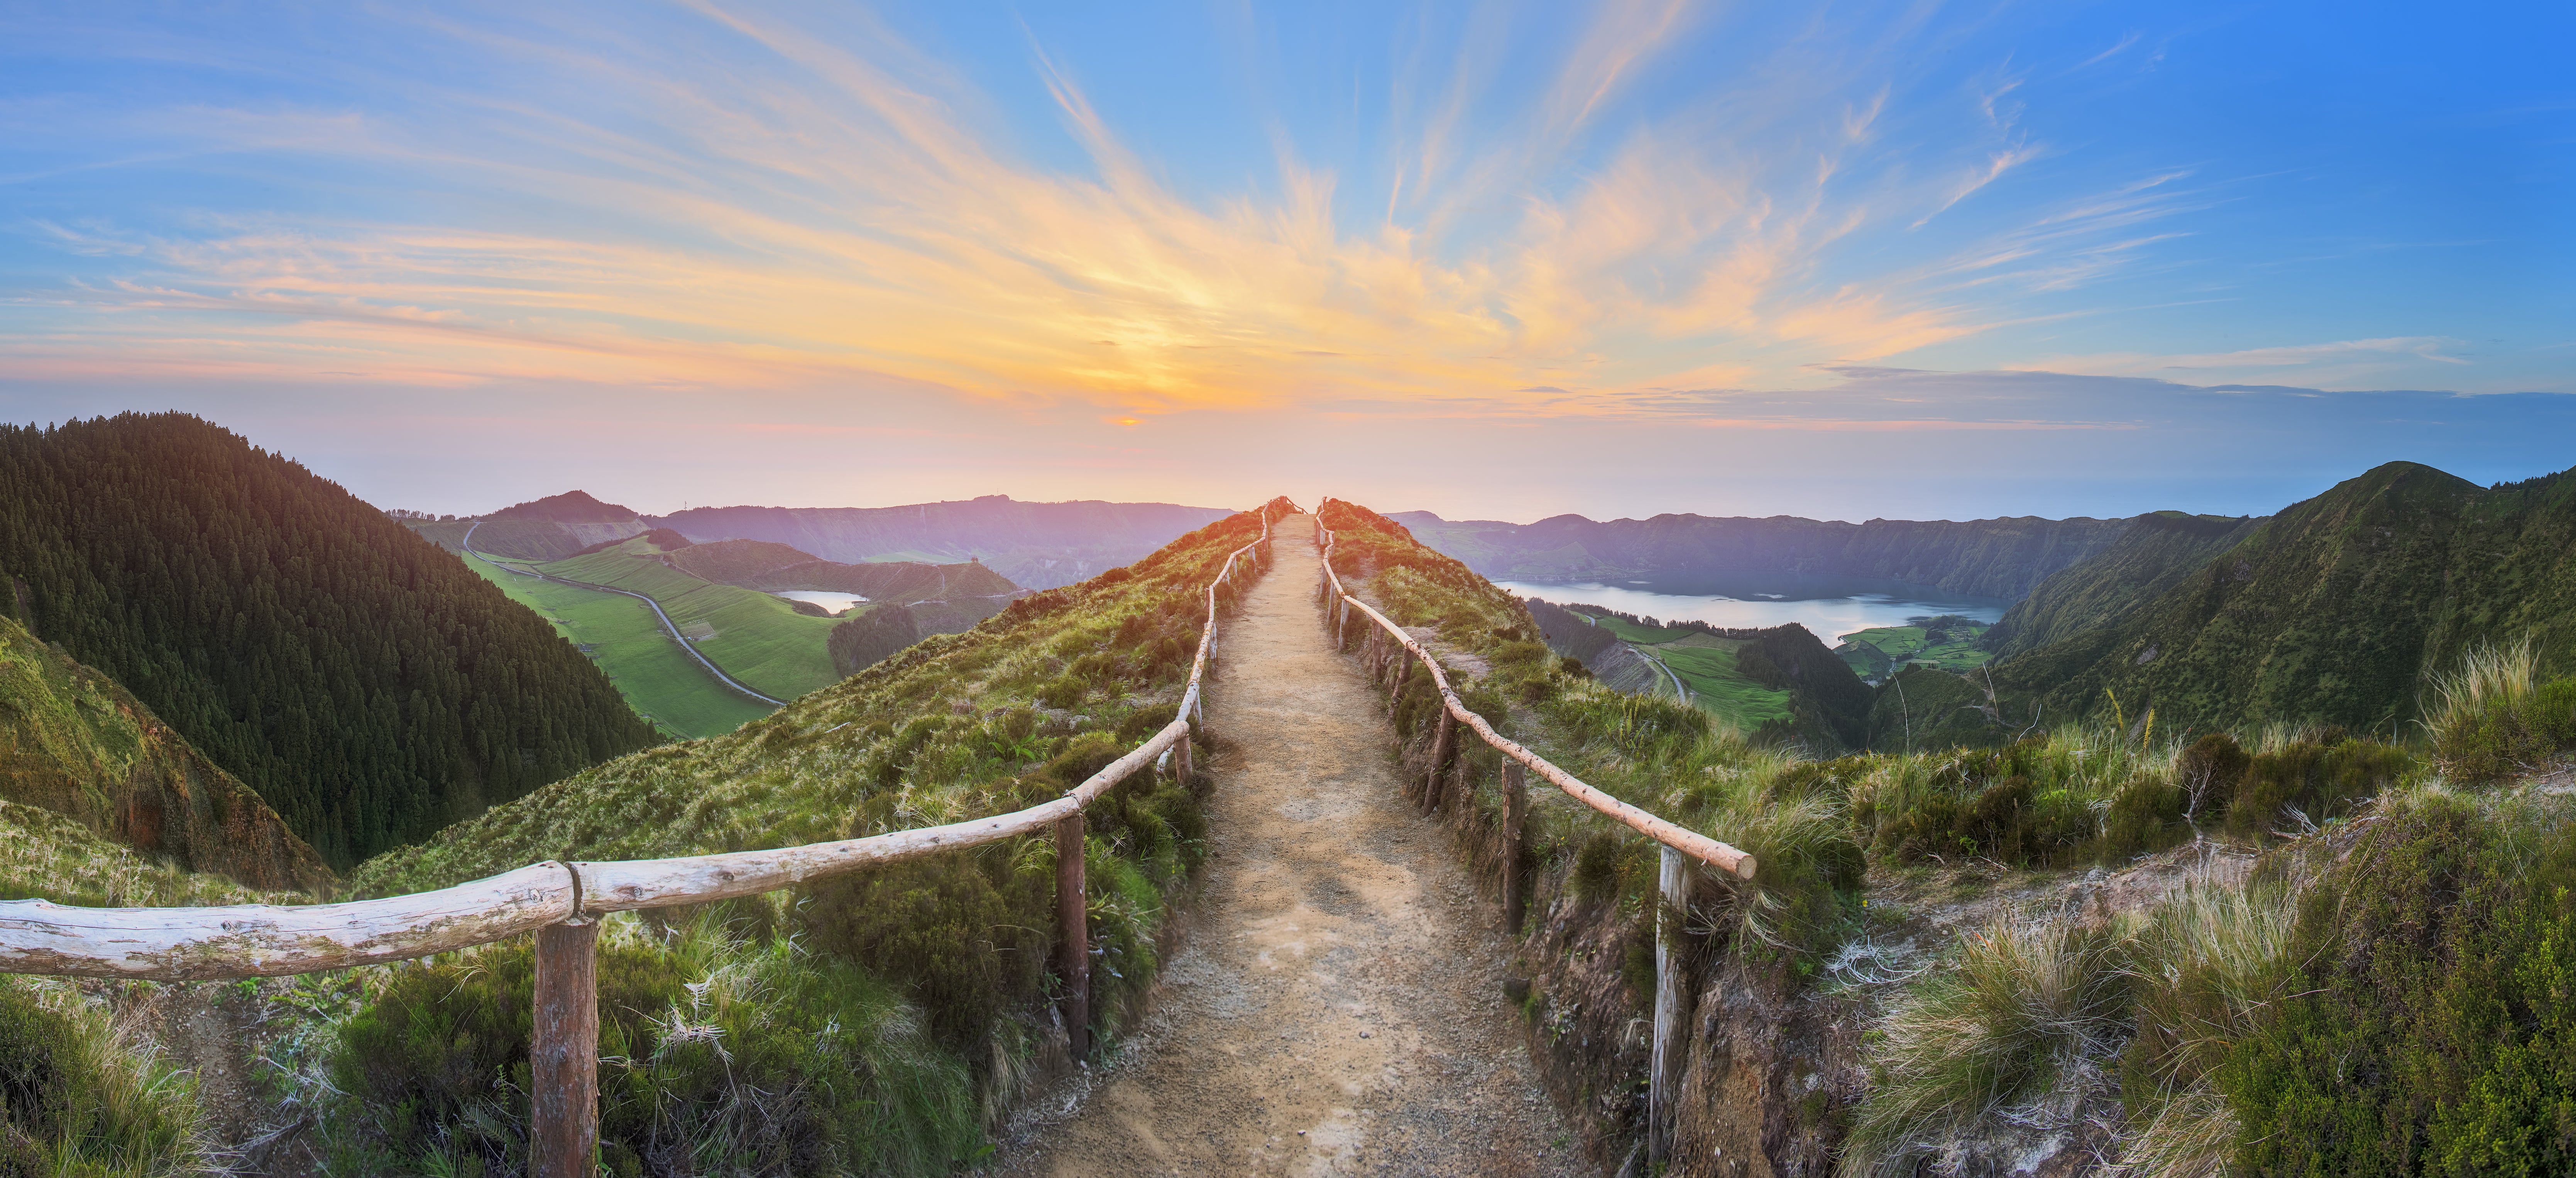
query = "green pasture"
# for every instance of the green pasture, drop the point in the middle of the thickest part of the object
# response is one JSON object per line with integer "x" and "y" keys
{"x": 1631, "y": 632}
{"x": 1707, "y": 667}
{"x": 1901, "y": 644}
{"x": 759, "y": 639}
{"x": 659, "y": 680}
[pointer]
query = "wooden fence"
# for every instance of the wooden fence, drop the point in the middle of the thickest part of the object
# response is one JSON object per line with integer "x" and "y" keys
{"x": 1382, "y": 650}
{"x": 562, "y": 903}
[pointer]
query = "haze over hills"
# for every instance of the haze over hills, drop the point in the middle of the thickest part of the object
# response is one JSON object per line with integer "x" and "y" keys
{"x": 1036, "y": 545}
{"x": 1997, "y": 558}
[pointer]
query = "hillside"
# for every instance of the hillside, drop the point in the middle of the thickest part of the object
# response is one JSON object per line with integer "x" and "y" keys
{"x": 2338, "y": 610}
{"x": 753, "y": 636}
{"x": 2154, "y": 553}
{"x": 1778, "y": 684}
{"x": 551, "y": 528}
{"x": 74, "y": 743}
{"x": 1037, "y": 545}
{"x": 911, "y": 1002}
{"x": 947, "y": 598}
{"x": 366, "y": 685}
{"x": 2000, "y": 558}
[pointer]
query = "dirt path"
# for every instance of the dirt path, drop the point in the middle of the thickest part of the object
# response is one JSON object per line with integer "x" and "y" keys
{"x": 1338, "y": 1006}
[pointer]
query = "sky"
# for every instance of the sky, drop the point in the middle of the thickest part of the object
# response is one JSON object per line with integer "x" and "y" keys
{"x": 1842, "y": 260}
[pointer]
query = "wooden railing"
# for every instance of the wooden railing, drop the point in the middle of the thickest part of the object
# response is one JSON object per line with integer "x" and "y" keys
{"x": 562, "y": 904}
{"x": 1382, "y": 650}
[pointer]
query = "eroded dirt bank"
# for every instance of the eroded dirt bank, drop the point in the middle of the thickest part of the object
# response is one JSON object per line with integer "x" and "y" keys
{"x": 1337, "y": 1007}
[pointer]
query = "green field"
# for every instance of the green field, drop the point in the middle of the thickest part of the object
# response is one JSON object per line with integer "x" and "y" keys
{"x": 1892, "y": 646}
{"x": 1707, "y": 666}
{"x": 758, "y": 639}
{"x": 659, "y": 680}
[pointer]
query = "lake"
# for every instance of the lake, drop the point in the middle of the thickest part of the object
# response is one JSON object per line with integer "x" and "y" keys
{"x": 1829, "y": 607}
{"x": 835, "y": 602}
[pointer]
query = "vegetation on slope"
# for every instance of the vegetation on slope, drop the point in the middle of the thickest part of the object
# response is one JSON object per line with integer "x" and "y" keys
{"x": 75, "y": 743}
{"x": 656, "y": 677}
{"x": 364, "y": 684}
{"x": 1778, "y": 683}
{"x": 1948, "y": 642}
{"x": 2335, "y": 611}
{"x": 755, "y": 637}
{"x": 1004, "y": 716}
{"x": 2154, "y": 553}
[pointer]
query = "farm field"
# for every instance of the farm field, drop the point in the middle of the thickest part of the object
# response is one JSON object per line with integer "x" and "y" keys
{"x": 1948, "y": 643}
{"x": 659, "y": 680}
{"x": 757, "y": 638}
{"x": 1707, "y": 666}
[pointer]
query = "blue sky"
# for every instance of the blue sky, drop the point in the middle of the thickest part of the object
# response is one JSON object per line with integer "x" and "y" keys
{"x": 1495, "y": 260}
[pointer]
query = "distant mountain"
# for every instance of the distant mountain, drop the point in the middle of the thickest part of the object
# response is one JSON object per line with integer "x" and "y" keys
{"x": 1035, "y": 545}
{"x": 367, "y": 686}
{"x": 74, "y": 742}
{"x": 571, "y": 507}
{"x": 1999, "y": 558}
{"x": 943, "y": 598}
{"x": 2335, "y": 611}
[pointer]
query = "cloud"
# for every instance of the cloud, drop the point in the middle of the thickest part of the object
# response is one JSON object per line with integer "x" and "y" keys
{"x": 2342, "y": 364}
{"x": 766, "y": 203}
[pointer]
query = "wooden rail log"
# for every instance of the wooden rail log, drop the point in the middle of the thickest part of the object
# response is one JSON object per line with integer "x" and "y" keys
{"x": 265, "y": 940}
{"x": 563, "y": 1059}
{"x": 1689, "y": 842}
{"x": 697, "y": 879}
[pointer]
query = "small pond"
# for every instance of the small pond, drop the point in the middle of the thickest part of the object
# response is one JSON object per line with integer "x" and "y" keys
{"x": 835, "y": 602}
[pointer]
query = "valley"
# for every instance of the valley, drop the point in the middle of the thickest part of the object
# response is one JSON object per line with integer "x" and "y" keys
{"x": 1919, "y": 781}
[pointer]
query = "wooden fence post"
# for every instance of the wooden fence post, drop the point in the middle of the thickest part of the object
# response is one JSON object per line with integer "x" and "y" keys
{"x": 563, "y": 1062}
{"x": 1515, "y": 806}
{"x": 1073, "y": 931}
{"x": 1665, "y": 1080}
{"x": 1431, "y": 790}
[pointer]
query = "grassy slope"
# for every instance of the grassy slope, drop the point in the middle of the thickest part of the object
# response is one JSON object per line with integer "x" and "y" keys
{"x": 833, "y": 763}
{"x": 74, "y": 742}
{"x": 1901, "y": 644}
{"x": 2154, "y": 554}
{"x": 759, "y": 639}
{"x": 1706, "y": 665}
{"x": 659, "y": 680}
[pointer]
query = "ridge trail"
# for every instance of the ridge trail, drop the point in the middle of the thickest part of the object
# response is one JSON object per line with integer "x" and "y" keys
{"x": 1341, "y": 978}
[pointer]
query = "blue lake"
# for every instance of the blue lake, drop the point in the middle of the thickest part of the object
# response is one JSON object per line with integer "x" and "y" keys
{"x": 1829, "y": 607}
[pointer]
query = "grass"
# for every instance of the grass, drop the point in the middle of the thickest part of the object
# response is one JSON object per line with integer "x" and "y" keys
{"x": 2018, "y": 1025}
{"x": 659, "y": 680}
{"x": 759, "y": 639}
{"x": 1707, "y": 667}
{"x": 1874, "y": 652}
{"x": 1004, "y": 716}
{"x": 2492, "y": 717}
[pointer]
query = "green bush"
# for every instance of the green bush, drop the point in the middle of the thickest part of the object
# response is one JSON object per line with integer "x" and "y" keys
{"x": 962, "y": 932}
{"x": 74, "y": 1100}
{"x": 719, "y": 1053}
{"x": 2426, "y": 1026}
{"x": 2312, "y": 780}
{"x": 2506, "y": 734}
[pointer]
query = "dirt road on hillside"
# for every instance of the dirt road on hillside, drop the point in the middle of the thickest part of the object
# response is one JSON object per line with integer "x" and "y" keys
{"x": 1337, "y": 1008}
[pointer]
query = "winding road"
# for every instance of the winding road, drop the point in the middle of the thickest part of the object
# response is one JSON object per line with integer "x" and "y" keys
{"x": 468, "y": 545}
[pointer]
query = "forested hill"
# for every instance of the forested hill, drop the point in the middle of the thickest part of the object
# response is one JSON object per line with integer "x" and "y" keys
{"x": 2154, "y": 553}
{"x": 1035, "y": 545}
{"x": 2001, "y": 558}
{"x": 368, "y": 686}
{"x": 2339, "y": 610}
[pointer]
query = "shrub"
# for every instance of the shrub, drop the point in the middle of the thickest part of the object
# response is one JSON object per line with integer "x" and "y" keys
{"x": 76, "y": 1099}
{"x": 2021, "y": 1019}
{"x": 959, "y": 931}
{"x": 2307, "y": 783}
{"x": 2424, "y": 1026}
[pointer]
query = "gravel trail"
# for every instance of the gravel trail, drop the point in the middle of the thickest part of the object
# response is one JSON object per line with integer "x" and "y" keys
{"x": 1337, "y": 1007}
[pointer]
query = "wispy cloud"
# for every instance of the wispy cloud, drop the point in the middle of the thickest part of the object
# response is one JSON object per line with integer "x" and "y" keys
{"x": 803, "y": 206}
